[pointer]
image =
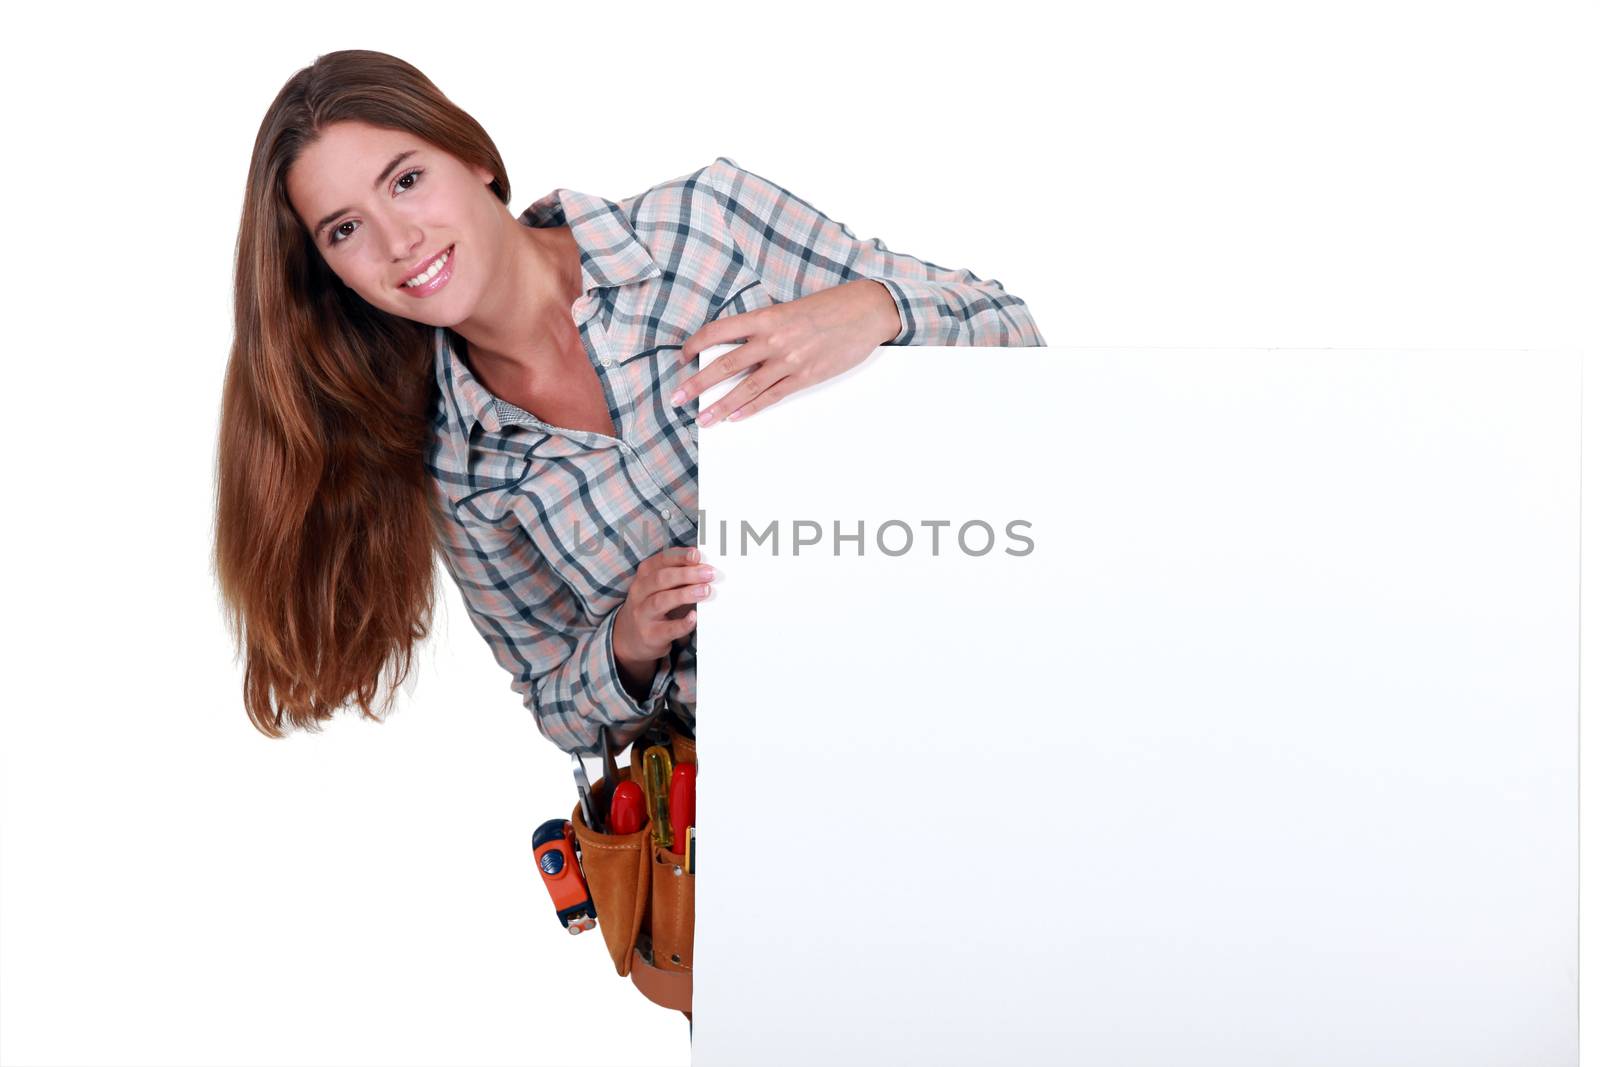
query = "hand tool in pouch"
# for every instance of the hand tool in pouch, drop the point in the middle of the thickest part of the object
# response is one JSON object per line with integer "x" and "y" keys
{"x": 558, "y": 865}
{"x": 627, "y": 808}
{"x": 680, "y": 805}
{"x": 610, "y": 776}
{"x": 657, "y": 789}
{"x": 581, "y": 776}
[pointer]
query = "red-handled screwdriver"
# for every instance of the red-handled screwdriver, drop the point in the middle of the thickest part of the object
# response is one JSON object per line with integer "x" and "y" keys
{"x": 680, "y": 804}
{"x": 627, "y": 808}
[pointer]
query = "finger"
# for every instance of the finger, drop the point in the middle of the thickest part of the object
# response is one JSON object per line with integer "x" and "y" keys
{"x": 678, "y": 555}
{"x": 675, "y": 626}
{"x": 754, "y": 384}
{"x": 724, "y": 366}
{"x": 673, "y": 577}
{"x": 777, "y": 392}
{"x": 720, "y": 332}
{"x": 665, "y": 630}
{"x": 657, "y": 605}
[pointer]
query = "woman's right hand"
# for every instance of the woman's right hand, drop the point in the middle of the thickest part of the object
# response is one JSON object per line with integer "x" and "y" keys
{"x": 658, "y": 609}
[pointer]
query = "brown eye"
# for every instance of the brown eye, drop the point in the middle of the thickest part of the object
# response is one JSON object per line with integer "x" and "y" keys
{"x": 337, "y": 234}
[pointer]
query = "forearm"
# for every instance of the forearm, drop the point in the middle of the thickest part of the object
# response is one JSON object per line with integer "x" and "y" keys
{"x": 934, "y": 305}
{"x": 589, "y": 689}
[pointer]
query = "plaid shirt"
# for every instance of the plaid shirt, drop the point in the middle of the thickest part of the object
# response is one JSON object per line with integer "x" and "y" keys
{"x": 543, "y": 527}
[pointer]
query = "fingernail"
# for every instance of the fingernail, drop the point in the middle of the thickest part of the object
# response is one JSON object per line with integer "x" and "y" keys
{"x": 707, "y": 419}
{"x": 677, "y": 398}
{"x": 694, "y": 555}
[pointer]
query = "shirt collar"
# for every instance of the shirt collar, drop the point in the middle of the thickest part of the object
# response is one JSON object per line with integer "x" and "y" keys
{"x": 609, "y": 254}
{"x": 609, "y": 251}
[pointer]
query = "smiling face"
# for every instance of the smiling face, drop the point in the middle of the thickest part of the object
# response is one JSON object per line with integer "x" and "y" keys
{"x": 384, "y": 206}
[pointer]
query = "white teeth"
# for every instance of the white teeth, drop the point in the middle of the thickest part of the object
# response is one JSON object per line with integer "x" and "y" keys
{"x": 427, "y": 275}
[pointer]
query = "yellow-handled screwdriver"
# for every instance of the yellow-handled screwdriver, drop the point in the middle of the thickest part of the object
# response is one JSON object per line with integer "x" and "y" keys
{"x": 657, "y": 788}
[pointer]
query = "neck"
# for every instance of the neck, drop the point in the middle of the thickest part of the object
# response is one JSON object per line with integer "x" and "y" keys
{"x": 527, "y": 307}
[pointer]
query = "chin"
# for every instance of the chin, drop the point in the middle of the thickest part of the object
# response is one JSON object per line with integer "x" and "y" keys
{"x": 428, "y": 312}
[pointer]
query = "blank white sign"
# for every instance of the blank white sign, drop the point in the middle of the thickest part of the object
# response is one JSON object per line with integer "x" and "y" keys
{"x": 1264, "y": 752}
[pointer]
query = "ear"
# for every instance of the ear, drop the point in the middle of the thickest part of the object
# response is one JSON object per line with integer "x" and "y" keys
{"x": 483, "y": 175}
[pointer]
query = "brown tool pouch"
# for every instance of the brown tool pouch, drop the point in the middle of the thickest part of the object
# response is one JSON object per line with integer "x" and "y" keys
{"x": 643, "y": 897}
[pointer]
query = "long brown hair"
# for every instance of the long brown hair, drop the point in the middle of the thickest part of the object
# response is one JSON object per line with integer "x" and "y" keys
{"x": 324, "y": 541}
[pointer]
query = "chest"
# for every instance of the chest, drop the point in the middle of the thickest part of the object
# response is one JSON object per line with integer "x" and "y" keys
{"x": 568, "y": 394}
{"x": 574, "y": 401}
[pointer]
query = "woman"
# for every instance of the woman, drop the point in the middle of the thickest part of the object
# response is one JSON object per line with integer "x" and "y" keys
{"x": 415, "y": 369}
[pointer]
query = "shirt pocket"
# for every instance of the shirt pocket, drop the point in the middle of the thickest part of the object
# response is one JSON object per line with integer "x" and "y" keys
{"x": 583, "y": 520}
{"x": 749, "y": 295}
{"x": 746, "y": 293}
{"x": 690, "y": 308}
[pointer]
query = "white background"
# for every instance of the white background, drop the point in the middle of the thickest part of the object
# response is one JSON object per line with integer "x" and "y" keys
{"x": 174, "y": 888}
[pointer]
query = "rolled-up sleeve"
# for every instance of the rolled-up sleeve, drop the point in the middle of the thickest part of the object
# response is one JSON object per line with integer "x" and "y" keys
{"x": 561, "y": 663}
{"x": 796, "y": 250}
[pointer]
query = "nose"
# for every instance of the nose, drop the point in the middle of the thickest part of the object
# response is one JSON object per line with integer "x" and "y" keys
{"x": 405, "y": 244}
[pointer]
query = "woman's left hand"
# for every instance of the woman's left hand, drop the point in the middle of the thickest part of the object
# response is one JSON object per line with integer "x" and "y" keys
{"x": 790, "y": 346}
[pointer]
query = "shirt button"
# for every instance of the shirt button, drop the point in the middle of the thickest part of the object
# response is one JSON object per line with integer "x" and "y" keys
{"x": 605, "y": 362}
{"x": 666, "y": 513}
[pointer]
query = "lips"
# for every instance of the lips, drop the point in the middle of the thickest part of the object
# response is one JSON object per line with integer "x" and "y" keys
{"x": 424, "y": 265}
{"x": 438, "y": 281}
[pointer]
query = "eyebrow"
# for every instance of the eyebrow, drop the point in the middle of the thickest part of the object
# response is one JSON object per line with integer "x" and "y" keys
{"x": 393, "y": 163}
